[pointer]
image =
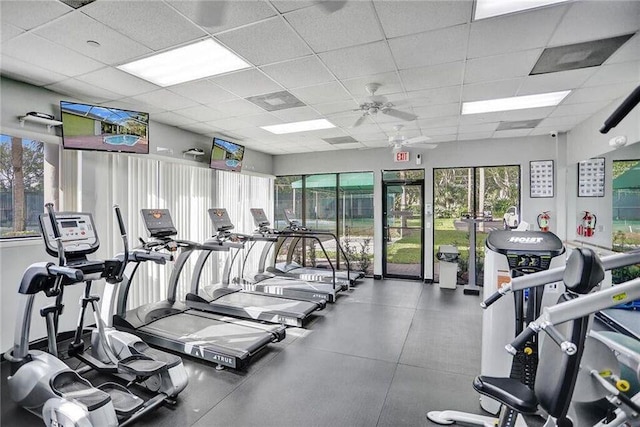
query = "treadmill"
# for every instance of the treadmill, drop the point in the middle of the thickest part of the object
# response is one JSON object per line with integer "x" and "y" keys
{"x": 268, "y": 283}
{"x": 170, "y": 324}
{"x": 295, "y": 231}
{"x": 233, "y": 300}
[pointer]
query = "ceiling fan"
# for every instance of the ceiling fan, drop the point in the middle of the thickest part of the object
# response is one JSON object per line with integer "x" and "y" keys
{"x": 378, "y": 104}
{"x": 398, "y": 140}
{"x": 211, "y": 13}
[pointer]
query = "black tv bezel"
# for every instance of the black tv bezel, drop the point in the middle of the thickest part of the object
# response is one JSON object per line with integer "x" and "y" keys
{"x": 98, "y": 149}
{"x": 213, "y": 145}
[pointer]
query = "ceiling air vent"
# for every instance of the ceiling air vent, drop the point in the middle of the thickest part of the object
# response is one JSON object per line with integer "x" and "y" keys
{"x": 276, "y": 101}
{"x": 520, "y": 124}
{"x": 340, "y": 140}
{"x": 579, "y": 55}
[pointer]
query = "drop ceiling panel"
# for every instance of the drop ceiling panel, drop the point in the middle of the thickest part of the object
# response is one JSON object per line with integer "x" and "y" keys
{"x": 389, "y": 83}
{"x": 235, "y": 13}
{"x": 433, "y": 47}
{"x": 265, "y": 42}
{"x": 554, "y": 82}
{"x": 201, "y": 113}
{"x": 297, "y": 114}
{"x": 228, "y": 124}
{"x": 592, "y": 20}
{"x": 151, "y": 23}
{"x": 469, "y": 119}
{"x": 450, "y": 130}
{"x": 526, "y": 114}
{"x": 321, "y": 94}
{"x": 239, "y": 107}
{"x": 471, "y": 136}
{"x": 615, "y": 73}
{"x": 433, "y": 76}
{"x": 587, "y": 108}
{"x": 38, "y": 51}
{"x": 75, "y": 29}
{"x": 8, "y": 31}
{"x": 511, "y": 33}
{"x": 442, "y": 110}
{"x": 165, "y": 99}
{"x": 134, "y": 105}
{"x": 419, "y": 16}
{"x": 336, "y": 107}
{"x": 30, "y": 14}
{"x": 443, "y": 138}
{"x": 203, "y": 92}
{"x": 173, "y": 119}
{"x": 117, "y": 81}
{"x": 23, "y": 71}
{"x": 565, "y": 122}
{"x": 599, "y": 93}
{"x": 445, "y": 95}
{"x": 84, "y": 91}
{"x": 264, "y": 119}
{"x": 490, "y": 90}
{"x": 284, "y": 6}
{"x": 482, "y": 127}
{"x": 630, "y": 51}
{"x": 362, "y": 60}
{"x": 354, "y": 24}
{"x": 437, "y": 122}
{"x": 500, "y": 67}
{"x": 300, "y": 72}
{"x": 201, "y": 128}
{"x": 247, "y": 83}
{"x": 513, "y": 133}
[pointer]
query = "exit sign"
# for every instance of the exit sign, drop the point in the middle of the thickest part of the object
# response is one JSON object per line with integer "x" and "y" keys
{"x": 402, "y": 156}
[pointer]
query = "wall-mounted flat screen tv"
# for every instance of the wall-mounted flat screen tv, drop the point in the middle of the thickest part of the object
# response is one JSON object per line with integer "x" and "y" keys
{"x": 226, "y": 155}
{"x": 91, "y": 127}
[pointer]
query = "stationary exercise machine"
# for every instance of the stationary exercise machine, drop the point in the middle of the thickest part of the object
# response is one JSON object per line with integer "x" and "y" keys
{"x": 234, "y": 300}
{"x": 172, "y": 325}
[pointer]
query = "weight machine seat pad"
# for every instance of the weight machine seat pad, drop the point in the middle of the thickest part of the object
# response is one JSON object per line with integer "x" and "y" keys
{"x": 509, "y": 392}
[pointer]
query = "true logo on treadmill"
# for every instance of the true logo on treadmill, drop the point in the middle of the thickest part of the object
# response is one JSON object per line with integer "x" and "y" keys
{"x": 527, "y": 240}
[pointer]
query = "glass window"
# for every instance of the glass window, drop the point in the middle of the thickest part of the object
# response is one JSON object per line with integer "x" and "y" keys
{"x": 403, "y": 175}
{"x": 355, "y": 219}
{"x": 626, "y": 215}
{"x": 21, "y": 186}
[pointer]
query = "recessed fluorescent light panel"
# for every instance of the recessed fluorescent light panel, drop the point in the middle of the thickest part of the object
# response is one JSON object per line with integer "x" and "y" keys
{"x": 489, "y": 8}
{"x": 299, "y": 126}
{"x": 514, "y": 103}
{"x": 195, "y": 61}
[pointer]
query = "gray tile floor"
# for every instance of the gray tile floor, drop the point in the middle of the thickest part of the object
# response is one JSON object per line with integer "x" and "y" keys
{"x": 384, "y": 354}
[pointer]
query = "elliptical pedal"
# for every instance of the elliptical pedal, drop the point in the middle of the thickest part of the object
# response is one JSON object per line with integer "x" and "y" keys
{"x": 124, "y": 402}
{"x": 141, "y": 366}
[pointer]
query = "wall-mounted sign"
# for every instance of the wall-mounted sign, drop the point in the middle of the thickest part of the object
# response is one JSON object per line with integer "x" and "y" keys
{"x": 401, "y": 156}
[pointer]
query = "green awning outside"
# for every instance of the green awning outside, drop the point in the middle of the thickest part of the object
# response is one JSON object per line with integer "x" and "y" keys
{"x": 348, "y": 181}
{"x": 628, "y": 180}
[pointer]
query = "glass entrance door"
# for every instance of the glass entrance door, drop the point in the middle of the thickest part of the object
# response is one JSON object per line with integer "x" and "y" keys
{"x": 403, "y": 230}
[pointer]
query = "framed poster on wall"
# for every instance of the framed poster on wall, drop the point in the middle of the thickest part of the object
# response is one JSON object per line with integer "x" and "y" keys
{"x": 591, "y": 177}
{"x": 541, "y": 178}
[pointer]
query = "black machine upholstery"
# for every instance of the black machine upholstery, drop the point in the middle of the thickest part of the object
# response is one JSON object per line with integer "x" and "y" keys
{"x": 557, "y": 371}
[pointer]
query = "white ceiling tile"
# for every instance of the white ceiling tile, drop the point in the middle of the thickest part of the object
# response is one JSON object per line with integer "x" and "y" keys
{"x": 474, "y": 136}
{"x": 490, "y": 90}
{"x": 247, "y": 83}
{"x": 443, "y": 138}
{"x": 8, "y": 31}
{"x": 166, "y": 99}
{"x": 22, "y": 71}
{"x": 433, "y": 76}
{"x": 285, "y": 6}
{"x": 235, "y": 13}
{"x": 409, "y": 17}
{"x": 437, "y": 122}
{"x": 545, "y": 130}
{"x": 367, "y": 128}
{"x": 265, "y": 42}
{"x": 264, "y": 119}
{"x": 200, "y": 128}
{"x": 297, "y": 114}
{"x": 84, "y": 91}
{"x": 444, "y": 95}
{"x": 254, "y": 132}
{"x": 588, "y": 108}
{"x": 201, "y": 113}
{"x": 151, "y": 23}
{"x": 348, "y": 146}
{"x": 469, "y": 119}
{"x": 500, "y": 67}
{"x": 474, "y": 128}
{"x": 203, "y": 92}
{"x": 321, "y": 94}
{"x": 512, "y": 133}
{"x": 449, "y": 130}
{"x": 442, "y": 110}
{"x": 354, "y": 24}
{"x": 630, "y": 51}
{"x": 228, "y": 124}
{"x": 565, "y": 122}
{"x": 171, "y": 118}
{"x": 38, "y": 51}
{"x": 615, "y": 73}
{"x": 239, "y": 107}
{"x": 134, "y": 105}
{"x": 117, "y": 81}
{"x": 433, "y": 47}
{"x": 389, "y": 83}
{"x": 592, "y": 20}
{"x": 299, "y": 72}
{"x": 75, "y": 29}
{"x": 336, "y": 107}
{"x": 511, "y": 33}
{"x": 554, "y": 82}
{"x": 526, "y": 114}
{"x": 357, "y": 61}
{"x": 30, "y": 14}
{"x": 599, "y": 93}
{"x": 372, "y": 138}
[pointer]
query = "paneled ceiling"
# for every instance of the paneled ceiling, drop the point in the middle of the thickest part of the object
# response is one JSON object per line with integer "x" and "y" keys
{"x": 428, "y": 56}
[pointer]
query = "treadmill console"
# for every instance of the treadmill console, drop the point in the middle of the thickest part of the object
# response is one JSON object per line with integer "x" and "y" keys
{"x": 220, "y": 219}
{"x": 77, "y": 231}
{"x": 293, "y": 223}
{"x": 260, "y": 217}
{"x": 158, "y": 222}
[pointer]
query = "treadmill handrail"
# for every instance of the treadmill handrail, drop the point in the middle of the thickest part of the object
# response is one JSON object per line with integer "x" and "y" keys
{"x": 304, "y": 232}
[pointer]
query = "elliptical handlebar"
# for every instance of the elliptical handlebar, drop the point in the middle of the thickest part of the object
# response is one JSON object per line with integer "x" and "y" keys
{"x": 72, "y": 273}
{"x": 125, "y": 242}
{"x": 157, "y": 257}
{"x": 56, "y": 233}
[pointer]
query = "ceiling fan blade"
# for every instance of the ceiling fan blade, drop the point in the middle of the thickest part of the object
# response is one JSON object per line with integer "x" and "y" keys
{"x": 331, "y": 6}
{"x": 403, "y": 115}
{"x": 210, "y": 13}
{"x": 359, "y": 121}
{"x": 417, "y": 140}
